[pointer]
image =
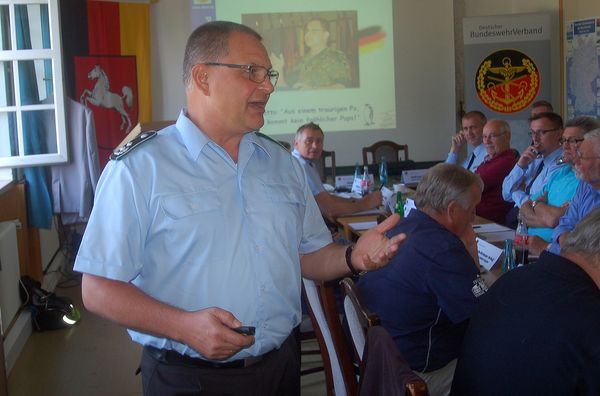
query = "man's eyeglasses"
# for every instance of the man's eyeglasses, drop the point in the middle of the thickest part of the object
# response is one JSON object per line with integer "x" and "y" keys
{"x": 493, "y": 136}
{"x": 256, "y": 73}
{"x": 582, "y": 157}
{"x": 571, "y": 140}
{"x": 541, "y": 132}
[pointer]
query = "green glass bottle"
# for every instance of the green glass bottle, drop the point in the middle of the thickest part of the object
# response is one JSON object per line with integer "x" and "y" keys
{"x": 399, "y": 204}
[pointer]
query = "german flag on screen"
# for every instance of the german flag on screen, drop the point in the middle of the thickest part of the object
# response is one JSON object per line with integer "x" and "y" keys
{"x": 370, "y": 39}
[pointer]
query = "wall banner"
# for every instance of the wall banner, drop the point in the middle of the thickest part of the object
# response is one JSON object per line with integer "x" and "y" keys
{"x": 507, "y": 67}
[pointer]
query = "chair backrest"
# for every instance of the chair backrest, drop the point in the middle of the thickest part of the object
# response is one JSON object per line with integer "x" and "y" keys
{"x": 323, "y": 165}
{"x": 339, "y": 371}
{"x": 384, "y": 148}
{"x": 359, "y": 318}
{"x": 366, "y": 330}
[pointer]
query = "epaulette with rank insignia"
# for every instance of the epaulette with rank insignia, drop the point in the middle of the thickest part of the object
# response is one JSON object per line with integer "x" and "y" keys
{"x": 273, "y": 140}
{"x": 128, "y": 147}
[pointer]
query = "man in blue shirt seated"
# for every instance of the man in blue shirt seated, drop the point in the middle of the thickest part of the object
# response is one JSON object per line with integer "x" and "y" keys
{"x": 537, "y": 331}
{"x": 308, "y": 147}
{"x": 587, "y": 195}
{"x": 472, "y": 133}
{"x": 425, "y": 296}
{"x": 543, "y": 211}
{"x": 207, "y": 226}
{"x": 537, "y": 163}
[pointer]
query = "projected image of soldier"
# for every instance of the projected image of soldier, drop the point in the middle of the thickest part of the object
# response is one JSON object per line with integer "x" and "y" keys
{"x": 321, "y": 66}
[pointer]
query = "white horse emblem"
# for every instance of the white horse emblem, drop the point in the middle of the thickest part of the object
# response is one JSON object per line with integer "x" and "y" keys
{"x": 100, "y": 95}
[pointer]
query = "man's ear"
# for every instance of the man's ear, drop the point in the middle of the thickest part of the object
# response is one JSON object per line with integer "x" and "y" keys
{"x": 452, "y": 213}
{"x": 200, "y": 78}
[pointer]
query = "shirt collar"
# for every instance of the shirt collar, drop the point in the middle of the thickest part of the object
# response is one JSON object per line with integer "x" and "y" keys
{"x": 195, "y": 139}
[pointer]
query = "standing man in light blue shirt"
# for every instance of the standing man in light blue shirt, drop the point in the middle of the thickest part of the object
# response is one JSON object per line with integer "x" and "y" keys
{"x": 308, "y": 147}
{"x": 208, "y": 226}
{"x": 471, "y": 133}
{"x": 537, "y": 163}
{"x": 587, "y": 195}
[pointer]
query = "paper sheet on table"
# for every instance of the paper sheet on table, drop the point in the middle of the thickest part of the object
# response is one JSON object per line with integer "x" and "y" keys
{"x": 490, "y": 227}
{"x": 493, "y": 232}
{"x": 363, "y": 225}
{"x": 488, "y": 253}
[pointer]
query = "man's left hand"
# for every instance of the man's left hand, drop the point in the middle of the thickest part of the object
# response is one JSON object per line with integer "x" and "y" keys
{"x": 373, "y": 249}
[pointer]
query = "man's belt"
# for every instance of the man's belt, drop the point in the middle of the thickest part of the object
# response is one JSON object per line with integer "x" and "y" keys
{"x": 172, "y": 357}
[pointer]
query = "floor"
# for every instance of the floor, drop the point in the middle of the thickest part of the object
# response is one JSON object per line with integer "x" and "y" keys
{"x": 95, "y": 358}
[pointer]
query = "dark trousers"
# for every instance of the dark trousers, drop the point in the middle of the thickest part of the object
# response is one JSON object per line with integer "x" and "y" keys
{"x": 278, "y": 375}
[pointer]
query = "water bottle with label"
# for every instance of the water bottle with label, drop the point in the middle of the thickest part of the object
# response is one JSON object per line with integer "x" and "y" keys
{"x": 521, "y": 242}
{"x": 383, "y": 172}
{"x": 364, "y": 183}
{"x": 509, "y": 256}
{"x": 356, "y": 171}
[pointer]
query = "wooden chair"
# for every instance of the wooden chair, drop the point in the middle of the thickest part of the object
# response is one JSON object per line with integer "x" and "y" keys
{"x": 323, "y": 165}
{"x": 384, "y": 148}
{"x": 361, "y": 321}
{"x": 340, "y": 377}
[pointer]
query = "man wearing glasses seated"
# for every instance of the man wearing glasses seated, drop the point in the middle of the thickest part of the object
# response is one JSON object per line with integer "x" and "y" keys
{"x": 308, "y": 147}
{"x": 543, "y": 211}
{"x": 537, "y": 330}
{"x": 537, "y": 163}
{"x": 587, "y": 195}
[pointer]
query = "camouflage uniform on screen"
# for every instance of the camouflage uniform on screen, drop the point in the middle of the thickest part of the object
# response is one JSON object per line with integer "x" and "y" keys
{"x": 328, "y": 67}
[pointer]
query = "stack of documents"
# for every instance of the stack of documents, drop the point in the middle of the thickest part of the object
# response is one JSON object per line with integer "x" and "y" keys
{"x": 493, "y": 232}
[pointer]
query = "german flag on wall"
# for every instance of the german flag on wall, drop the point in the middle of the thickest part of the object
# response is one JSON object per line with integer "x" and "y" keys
{"x": 124, "y": 29}
{"x": 113, "y": 29}
{"x": 118, "y": 42}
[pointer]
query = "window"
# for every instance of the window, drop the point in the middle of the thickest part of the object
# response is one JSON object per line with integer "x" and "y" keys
{"x": 32, "y": 115}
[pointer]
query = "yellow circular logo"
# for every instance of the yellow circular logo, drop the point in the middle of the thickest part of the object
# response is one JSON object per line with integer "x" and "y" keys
{"x": 507, "y": 81}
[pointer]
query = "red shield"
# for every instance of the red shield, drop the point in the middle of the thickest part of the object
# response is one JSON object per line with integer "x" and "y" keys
{"x": 108, "y": 86}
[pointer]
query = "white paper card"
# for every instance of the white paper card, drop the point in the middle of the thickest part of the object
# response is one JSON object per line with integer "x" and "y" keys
{"x": 388, "y": 199}
{"x": 409, "y": 205}
{"x": 489, "y": 227}
{"x": 413, "y": 176}
{"x": 344, "y": 182}
{"x": 488, "y": 253}
{"x": 363, "y": 225}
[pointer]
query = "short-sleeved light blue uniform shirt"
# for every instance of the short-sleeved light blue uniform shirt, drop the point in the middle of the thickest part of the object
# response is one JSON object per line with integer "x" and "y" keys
{"x": 561, "y": 188}
{"x": 312, "y": 175}
{"x": 179, "y": 219}
{"x": 514, "y": 185}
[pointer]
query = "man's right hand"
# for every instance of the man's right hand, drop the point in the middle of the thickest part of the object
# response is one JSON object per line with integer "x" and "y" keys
{"x": 458, "y": 141}
{"x": 209, "y": 332}
{"x": 528, "y": 155}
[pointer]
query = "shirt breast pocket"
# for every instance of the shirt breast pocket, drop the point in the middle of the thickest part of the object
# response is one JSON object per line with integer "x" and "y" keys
{"x": 190, "y": 204}
{"x": 282, "y": 194}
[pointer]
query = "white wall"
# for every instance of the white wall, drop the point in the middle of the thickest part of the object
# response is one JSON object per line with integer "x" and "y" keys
{"x": 425, "y": 97}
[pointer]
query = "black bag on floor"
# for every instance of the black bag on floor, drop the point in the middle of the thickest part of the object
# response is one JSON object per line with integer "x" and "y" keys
{"x": 48, "y": 311}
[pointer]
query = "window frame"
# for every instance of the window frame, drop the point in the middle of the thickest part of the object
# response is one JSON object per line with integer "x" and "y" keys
{"x": 54, "y": 54}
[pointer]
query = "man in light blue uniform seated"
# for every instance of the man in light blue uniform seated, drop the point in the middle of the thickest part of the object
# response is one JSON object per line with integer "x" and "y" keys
{"x": 543, "y": 211}
{"x": 587, "y": 195}
{"x": 209, "y": 226}
{"x": 471, "y": 132}
{"x": 537, "y": 163}
{"x": 308, "y": 147}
